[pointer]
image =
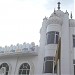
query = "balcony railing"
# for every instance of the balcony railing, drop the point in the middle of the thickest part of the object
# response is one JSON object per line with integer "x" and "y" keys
{"x": 19, "y": 49}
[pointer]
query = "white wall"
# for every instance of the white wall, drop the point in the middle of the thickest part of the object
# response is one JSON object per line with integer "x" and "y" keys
{"x": 65, "y": 46}
{"x": 15, "y": 63}
{"x": 71, "y": 50}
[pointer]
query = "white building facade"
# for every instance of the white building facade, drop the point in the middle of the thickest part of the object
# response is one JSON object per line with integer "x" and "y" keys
{"x": 54, "y": 56}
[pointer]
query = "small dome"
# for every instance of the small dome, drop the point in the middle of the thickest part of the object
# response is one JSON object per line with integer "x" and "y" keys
{"x": 54, "y": 20}
{"x": 58, "y": 13}
{"x": 32, "y": 43}
{"x": 72, "y": 23}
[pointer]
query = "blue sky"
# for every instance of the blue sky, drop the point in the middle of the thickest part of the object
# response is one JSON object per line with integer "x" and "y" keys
{"x": 21, "y": 20}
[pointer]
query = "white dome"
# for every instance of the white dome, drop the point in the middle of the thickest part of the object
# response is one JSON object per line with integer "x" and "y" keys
{"x": 72, "y": 23}
{"x": 54, "y": 20}
{"x": 58, "y": 13}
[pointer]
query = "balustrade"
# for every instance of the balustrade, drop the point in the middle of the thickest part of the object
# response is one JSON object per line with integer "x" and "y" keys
{"x": 21, "y": 48}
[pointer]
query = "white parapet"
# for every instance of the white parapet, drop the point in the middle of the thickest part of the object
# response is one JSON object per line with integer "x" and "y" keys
{"x": 25, "y": 48}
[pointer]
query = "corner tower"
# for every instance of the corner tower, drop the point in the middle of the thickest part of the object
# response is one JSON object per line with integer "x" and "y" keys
{"x": 49, "y": 35}
{"x": 57, "y": 26}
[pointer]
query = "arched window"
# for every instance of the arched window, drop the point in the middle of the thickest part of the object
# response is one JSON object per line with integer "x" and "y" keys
{"x": 24, "y": 69}
{"x": 5, "y": 65}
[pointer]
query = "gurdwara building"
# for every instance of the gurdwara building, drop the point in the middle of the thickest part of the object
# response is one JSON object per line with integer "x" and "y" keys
{"x": 54, "y": 56}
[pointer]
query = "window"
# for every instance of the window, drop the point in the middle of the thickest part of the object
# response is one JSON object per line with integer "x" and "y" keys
{"x": 74, "y": 69}
{"x": 24, "y": 69}
{"x": 6, "y": 66}
{"x": 52, "y": 37}
{"x": 74, "y": 66}
{"x": 48, "y": 65}
{"x": 73, "y": 40}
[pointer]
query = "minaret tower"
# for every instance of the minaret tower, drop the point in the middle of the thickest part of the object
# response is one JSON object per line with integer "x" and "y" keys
{"x": 57, "y": 26}
{"x": 50, "y": 33}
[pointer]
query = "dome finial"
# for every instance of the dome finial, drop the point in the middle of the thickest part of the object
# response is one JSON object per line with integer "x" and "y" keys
{"x": 71, "y": 15}
{"x": 58, "y": 5}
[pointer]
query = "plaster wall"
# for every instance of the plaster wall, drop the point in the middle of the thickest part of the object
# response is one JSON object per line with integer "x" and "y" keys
{"x": 65, "y": 46}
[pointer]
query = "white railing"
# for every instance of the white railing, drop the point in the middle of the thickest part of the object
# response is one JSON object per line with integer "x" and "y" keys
{"x": 19, "y": 48}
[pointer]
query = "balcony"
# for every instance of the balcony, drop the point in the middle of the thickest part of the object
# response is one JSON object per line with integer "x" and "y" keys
{"x": 20, "y": 50}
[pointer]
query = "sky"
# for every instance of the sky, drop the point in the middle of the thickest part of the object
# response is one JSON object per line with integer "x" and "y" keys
{"x": 21, "y": 20}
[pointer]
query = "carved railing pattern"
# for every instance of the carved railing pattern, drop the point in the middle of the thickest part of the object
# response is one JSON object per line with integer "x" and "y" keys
{"x": 25, "y": 47}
